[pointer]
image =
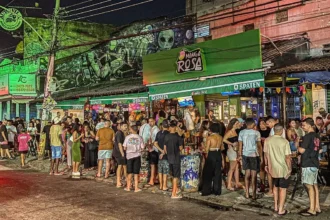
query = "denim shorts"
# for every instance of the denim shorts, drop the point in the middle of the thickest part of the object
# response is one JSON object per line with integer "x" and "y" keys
{"x": 163, "y": 167}
{"x": 104, "y": 154}
{"x": 309, "y": 175}
{"x": 56, "y": 152}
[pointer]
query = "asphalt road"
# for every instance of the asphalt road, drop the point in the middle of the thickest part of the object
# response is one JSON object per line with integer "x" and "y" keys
{"x": 35, "y": 195}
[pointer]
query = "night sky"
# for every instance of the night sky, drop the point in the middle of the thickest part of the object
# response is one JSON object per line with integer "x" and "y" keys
{"x": 149, "y": 10}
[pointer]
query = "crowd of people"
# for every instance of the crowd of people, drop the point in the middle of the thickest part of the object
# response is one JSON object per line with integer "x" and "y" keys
{"x": 243, "y": 148}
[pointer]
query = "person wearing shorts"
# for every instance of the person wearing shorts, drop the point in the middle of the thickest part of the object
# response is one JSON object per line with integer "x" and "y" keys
{"x": 173, "y": 144}
{"x": 56, "y": 147}
{"x": 106, "y": 137}
{"x": 23, "y": 147}
{"x": 163, "y": 166}
{"x": 153, "y": 152}
{"x": 277, "y": 152}
{"x": 309, "y": 151}
{"x": 249, "y": 150}
{"x": 119, "y": 153}
{"x": 133, "y": 145}
{"x": 4, "y": 140}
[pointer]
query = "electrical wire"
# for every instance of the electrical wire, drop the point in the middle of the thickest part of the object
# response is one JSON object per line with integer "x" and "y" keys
{"x": 9, "y": 3}
{"x": 140, "y": 34}
{"x": 8, "y": 48}
{"x": 80, "y": 3}
{"x": 88, "y": 6}
{"x": 96, "y": 9}
{"x": 117, "y": 9}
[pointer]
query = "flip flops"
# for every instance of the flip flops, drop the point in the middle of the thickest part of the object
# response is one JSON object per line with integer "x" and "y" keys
{"x": 283, "y": 214}
{"x": 138, "y": 190}
{"x": 176, "y": 197}
{"x": 307, "y": 214}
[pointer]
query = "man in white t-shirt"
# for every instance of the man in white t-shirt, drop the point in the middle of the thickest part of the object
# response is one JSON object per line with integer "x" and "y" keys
{"x": 271, "y": 122}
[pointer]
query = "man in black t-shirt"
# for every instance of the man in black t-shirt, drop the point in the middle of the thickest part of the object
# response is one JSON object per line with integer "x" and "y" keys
{"x": 119, "y": 153}
{"x": 4, "y": 140}
{"x": 163, "y": 166}
{"x": 310, "y": 165}
{"x": 172, "y": 146}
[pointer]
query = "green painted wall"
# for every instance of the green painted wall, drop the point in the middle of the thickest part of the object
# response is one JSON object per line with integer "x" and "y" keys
{"x": 224, "y": 55}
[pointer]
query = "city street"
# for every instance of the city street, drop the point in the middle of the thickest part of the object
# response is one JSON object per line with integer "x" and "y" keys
{"x": 34, "y": 195}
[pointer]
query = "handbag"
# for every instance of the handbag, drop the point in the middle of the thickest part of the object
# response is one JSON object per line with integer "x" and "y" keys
{"x": 93, "y": 146}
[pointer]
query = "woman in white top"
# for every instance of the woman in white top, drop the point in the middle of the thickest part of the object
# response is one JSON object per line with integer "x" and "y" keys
{"x": 32, "y": 130}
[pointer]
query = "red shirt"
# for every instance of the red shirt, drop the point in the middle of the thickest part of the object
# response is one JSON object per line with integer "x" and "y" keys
{"x": 23, "y": 140}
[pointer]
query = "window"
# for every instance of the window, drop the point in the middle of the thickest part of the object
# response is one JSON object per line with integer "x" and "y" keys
{"x": 281, "y": 16}
{"x": 248, "y": 27}
{"x": 326, "y": 50}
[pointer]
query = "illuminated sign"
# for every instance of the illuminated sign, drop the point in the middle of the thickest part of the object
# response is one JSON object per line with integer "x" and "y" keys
{"x": 4, "y": 85}
{"x": 190, "y": 61}
{"x": 11, "y": 19}
{"x": 22, "y": 84}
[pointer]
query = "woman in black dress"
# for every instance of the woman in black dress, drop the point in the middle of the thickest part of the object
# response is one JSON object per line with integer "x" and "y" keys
{"x": 90, "y": 160}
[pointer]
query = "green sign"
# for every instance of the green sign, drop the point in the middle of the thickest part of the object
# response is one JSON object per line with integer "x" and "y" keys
{"x": 22, "y": 84}
{"x": 11, "y": 19}
{"x": 4, "y": 85}
{"x": 236, "y": 53}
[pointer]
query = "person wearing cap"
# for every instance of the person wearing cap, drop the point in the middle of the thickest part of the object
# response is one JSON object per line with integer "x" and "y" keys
{"x": 173, "y": 144}
{"x": 163, "y": 166}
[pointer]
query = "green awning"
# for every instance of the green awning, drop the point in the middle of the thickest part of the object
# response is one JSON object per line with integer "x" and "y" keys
{"x": 121, "y": 99}
{"x": 208, "y": 86}
{"x": 67, "y": 105}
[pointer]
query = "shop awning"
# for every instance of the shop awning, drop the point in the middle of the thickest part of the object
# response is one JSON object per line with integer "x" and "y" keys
{"x": 123, "y": 99}
{"x": 67, "y": 105}
{"x": 208, "y": 86}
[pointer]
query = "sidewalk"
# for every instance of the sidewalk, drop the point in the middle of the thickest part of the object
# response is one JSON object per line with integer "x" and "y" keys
{"x": 227, "y": 201}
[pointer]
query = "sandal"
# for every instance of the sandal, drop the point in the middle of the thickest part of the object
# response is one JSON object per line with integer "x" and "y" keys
{"x": 148, "y": 185}
{"x": 58, "y": 174}
{"x": 307, "y": 214}
{"x": 139, "y": 190}
{"x": 283, "y": 214}
{"x": 166, "y": 190}
{"x": 120, "y": 186}
{"x": 127, "y": 190}
{"x": 176, "y": 197}
{"x": 231, "y": 189}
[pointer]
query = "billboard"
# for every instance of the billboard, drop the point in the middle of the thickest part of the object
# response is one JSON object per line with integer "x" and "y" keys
{"x": 22, "y": 84}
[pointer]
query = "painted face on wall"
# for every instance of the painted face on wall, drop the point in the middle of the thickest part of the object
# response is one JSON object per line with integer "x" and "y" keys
{"x": 166, "y": 39}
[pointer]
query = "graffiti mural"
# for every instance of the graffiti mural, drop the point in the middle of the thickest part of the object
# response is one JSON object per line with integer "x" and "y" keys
{"x": 120, "y": 58}
{"x": 70, "y": 33}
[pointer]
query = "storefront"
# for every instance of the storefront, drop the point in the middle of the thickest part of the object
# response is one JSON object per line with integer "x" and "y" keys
{"x": 134, "y": 105}
{"x": 212, "y": 73}
{"x": 72, "y": 108}
{"x": 207, "y": 75}
{"x": 16, "y": 93}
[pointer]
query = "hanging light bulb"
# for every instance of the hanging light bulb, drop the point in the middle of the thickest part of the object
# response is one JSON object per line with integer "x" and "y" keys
{"x": 36, "y": 4}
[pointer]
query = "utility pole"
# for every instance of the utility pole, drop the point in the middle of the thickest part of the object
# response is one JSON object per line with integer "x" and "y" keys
{"x": 48, "y": 100}
{"x": 51, "y": 65}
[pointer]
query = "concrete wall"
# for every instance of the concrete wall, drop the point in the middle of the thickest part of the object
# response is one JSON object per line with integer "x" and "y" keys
{"x": 311, "y": 18}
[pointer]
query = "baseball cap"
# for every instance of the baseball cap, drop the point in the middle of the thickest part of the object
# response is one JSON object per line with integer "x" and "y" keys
{"x": 166, "y": 124}
{"x": 240, "y": 120}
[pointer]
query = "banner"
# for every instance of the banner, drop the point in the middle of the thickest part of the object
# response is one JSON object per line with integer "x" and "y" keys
{"x": 4, "y": 85}
{"x": 22, "y": 84}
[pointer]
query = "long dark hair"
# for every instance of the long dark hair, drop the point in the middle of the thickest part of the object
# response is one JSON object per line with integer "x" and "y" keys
{"x": 259, "y": 122}
{"x": 231, "y": 124}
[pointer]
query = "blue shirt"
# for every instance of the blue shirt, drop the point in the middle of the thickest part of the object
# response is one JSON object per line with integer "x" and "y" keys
{"x": 250, "y": 137}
